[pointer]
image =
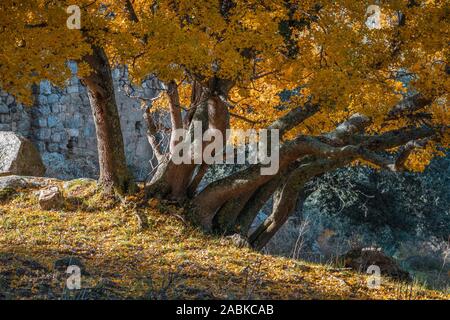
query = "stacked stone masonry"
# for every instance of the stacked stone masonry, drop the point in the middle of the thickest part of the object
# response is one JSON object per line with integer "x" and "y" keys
{"x": 61, "y": 126}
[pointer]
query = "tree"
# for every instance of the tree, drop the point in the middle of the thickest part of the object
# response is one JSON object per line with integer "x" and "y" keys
{"x": 315, "y": 71}
{"x": 37, "y": 44}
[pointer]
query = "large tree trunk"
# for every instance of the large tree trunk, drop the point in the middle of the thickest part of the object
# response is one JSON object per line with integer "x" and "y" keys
{"x": 172, "y": 180}
{"x": 179, "y": 181}
{"x": 284, "y": 204}
{"x": 230, "y": 205}
{"x": 114, "y": 173}
{"x": 256, "y": 203}
{"x": 289, "y": 193}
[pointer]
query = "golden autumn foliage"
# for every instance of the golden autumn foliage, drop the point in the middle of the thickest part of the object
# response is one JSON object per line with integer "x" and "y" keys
{"x": 124, "y": 261}
{"x": 325, "y": 52}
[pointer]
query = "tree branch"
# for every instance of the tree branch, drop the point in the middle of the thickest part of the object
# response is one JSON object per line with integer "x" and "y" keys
{"x": 175, "y": 111}
{"x": 357, "y": 123}
{"x": 398, "y": 137}
{"x": 407, "y": 150}
{"x": 294, "y": 118}
{"x": 286, "y": 196}
{"x": 408, "y": 106}
{"x": 151, "y": 135}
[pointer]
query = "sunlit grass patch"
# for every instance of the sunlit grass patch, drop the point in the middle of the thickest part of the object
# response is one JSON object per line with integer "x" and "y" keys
{"x": 169, "y": 259}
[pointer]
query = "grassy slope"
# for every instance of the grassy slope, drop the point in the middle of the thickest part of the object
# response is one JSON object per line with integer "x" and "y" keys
{"x": 167, "y": 260}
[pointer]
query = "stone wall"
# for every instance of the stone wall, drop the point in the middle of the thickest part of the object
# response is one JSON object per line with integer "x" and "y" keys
{"x": 61, "y": 125}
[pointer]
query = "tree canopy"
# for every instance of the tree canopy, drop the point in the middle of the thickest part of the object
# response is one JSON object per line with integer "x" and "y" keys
{"x": 323, "y": 50}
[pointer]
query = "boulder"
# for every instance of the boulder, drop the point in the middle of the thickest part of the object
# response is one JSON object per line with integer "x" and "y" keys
{"x": 22, "y": 182}
{"x": 51, "y": 198}
{"x": 12, "y": 182}
{"x": 19, "y": 156}
{"x": 9, "y": 185}
{"x": 361, "y": 258}
{"x": 238, "y": 240}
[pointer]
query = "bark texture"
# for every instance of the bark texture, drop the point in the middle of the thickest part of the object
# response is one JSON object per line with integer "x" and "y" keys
{"x": 114, "y": 173}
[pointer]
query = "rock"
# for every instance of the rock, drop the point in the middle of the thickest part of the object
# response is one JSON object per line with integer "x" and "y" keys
{"x": 45, "y": 87}
{"x": 239, "y": 241}
{"x": 19, "y": 156}
{"x": 10, "y": 100}
{"x": 52, "y": 121}
{"x": 53, "y": 98}
{"x": 361, "y": 258}
{"x": 9, "y": 186}
{"x": 73, "y": 132}
{"x": 51, "y": 198}
{"x": 19, "y": 182}
{"x": 66, "y": 169}
{"x": 44, "y": 134}
{"x": 12, "y": 182}
{"x": 72, "y": 89}
{"x": 42, "y": 99}
{"x": 57, "y": 137}
{"x": 53, "y": 147}
{"x": 5, "y": 118}
{"x": 4, "y": 109}
{"x": 42, "y": 122}
{"x": 73, "y": 67}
